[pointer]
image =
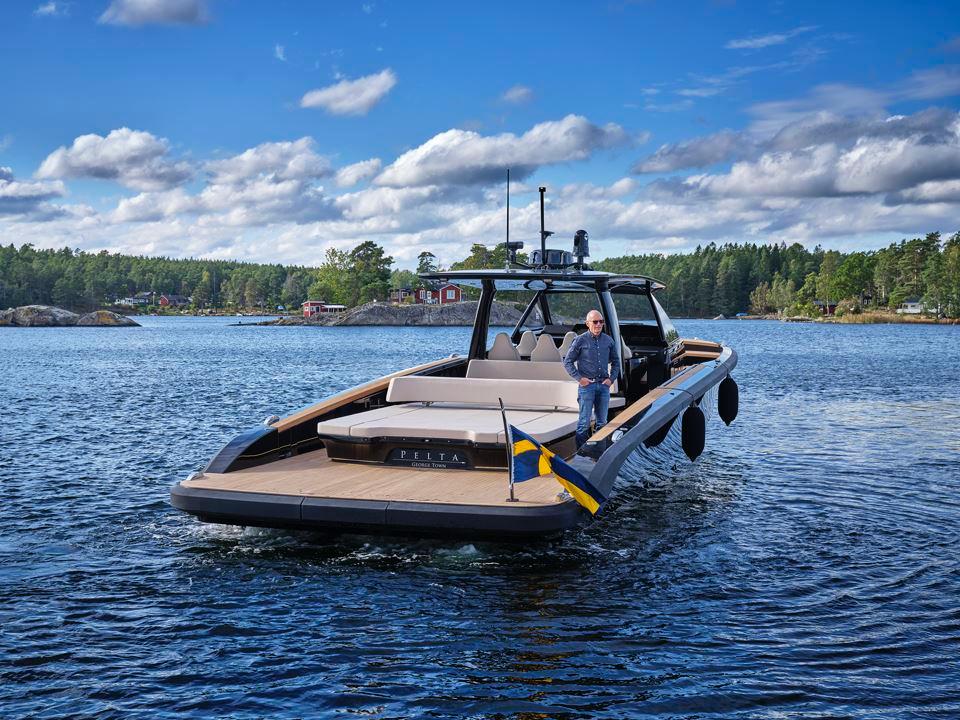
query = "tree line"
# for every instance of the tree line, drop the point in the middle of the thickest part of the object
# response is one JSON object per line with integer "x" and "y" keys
{"x": 712, "y": 280}
{"x": 80, "y": 280}
{"x": 784, "y": 279}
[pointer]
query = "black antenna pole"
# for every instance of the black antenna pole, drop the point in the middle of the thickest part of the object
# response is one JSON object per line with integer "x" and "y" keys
{"x": 543, "y": 232}
{"x": 508, "y": 210}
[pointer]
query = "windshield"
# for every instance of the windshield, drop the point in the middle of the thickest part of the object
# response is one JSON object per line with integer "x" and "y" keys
{"x": 571, "y": 308}
{"x": 634, "y": 308}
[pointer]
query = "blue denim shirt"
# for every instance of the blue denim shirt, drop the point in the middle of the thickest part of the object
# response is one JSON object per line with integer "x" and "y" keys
{"x": 590, "y": 357}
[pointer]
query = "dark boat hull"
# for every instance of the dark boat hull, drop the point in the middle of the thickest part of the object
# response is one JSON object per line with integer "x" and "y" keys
{"x": 375, "y": 516}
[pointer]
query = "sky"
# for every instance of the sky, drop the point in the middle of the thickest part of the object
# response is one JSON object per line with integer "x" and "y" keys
{"x": 272, "y": 131}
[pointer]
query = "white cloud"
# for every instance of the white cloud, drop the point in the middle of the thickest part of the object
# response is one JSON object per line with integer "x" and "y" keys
{"x": 700, "y": 92}
{"x": 133, "y": 158}
{"x": 279, "y": 53}
{"x": 52, "y": 9}
{"x": 291, "y": 160}
{"x": 886, "y": 157}
{"x": 463, "y": 157}
{"x": 801, "y": 131}
{"x": 351, "y": 97}
{"x": 762, "y": 41}
{"x": 697, "y": 153}
{"x": 27, "y": 198}
{"x": 856, "y": 101}
{"x": 272, "y": 182}
{"x": 830, "y": 179}
{"x": 517, "y": 95}
{"x": 357, "y": 172}
{"x": 147, "y": 207}
{"x": 936, "y": 191}
{"x": 155, "y": 12}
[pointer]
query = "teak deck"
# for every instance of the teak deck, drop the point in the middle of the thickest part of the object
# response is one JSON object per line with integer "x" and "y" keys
{"x": 313, "y": 474}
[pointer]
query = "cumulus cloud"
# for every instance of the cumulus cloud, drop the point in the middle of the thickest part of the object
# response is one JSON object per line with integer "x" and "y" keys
{"x": 352, "y": 97}
{"x": 463, "y": 157}
{"x": 272, "y": 182}
{"x": 697, "y": 153}
{"x": 946, "y": 191}
{"x": 855, "y": 101}
{"x": 357, "y": 172}
{"x": 886, "y": 157}
{"x": 932, "y": 125}
{"x": 149, "y": 207}
{"x": 133, "y": 158}
{"x": 292, "y": 160}
{"x": 155, "y": 12}
{"x": 52, "y": 9}
{"x": 762, "y": 41}
{"x": 517, "y": 95}
{"x": 27, "y": 198}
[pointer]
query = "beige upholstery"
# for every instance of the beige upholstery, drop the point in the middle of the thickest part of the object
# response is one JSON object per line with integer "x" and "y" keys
{"x": 467, "y": 408}
{"x": 567, "y": 342}
{"x": 625, "y": 352}
{"x": 546, "y": 350}
{"x": 502, "y": 349}
{"x": 482, "y": 391}
{"x": 505, "y": 370}
{"x": 528, "y": 341}
{"x": 473, "y": 424}
{"x": 528, "y": 371}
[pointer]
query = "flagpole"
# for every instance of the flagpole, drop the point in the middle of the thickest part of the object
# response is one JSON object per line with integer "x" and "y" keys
{"x": 509, "y": 437}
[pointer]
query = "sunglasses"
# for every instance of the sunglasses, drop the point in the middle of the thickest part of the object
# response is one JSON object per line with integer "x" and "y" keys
{"x": 595, "y": 322}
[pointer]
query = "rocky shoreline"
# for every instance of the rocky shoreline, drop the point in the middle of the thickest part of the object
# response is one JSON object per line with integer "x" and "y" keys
{"x": 49, "y": 316}
{"x": 453, "y": 314}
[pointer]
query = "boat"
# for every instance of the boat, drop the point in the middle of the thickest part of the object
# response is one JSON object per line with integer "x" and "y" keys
{"x": 424, "y": 451}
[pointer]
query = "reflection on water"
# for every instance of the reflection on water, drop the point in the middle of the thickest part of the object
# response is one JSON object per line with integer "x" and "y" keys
{"x": 805, "y": 565}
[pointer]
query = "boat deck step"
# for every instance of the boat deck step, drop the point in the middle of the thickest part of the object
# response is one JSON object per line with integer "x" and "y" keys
{"x": 314, "y": 475}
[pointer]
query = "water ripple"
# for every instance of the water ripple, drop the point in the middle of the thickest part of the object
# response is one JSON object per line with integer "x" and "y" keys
{"x": 805, "y": 565}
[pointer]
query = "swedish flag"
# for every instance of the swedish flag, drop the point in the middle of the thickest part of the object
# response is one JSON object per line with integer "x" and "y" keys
{"x": 530, "y": 459}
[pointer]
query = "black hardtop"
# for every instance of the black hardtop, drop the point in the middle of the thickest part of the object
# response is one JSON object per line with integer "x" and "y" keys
{"x": 572, "y": 280}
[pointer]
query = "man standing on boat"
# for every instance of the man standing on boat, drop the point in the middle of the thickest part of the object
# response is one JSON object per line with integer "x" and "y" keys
{"x": 593, "y": 361}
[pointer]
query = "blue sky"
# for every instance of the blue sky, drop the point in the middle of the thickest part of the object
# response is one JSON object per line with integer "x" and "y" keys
{"x": 271, "y": 131}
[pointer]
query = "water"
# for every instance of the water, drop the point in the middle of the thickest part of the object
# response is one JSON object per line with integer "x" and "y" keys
{"x": 806, "y": 565}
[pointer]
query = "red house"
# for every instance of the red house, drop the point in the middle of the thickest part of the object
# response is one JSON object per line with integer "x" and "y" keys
{"x": 173, "y": 301}
{"x": 446, "y": 293}
{"x": 316, "y": 307}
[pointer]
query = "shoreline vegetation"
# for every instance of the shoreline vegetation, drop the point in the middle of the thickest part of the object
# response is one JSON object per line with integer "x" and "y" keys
{"x": 919, "y": 274}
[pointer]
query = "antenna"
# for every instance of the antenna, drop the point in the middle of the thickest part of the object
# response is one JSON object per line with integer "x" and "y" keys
{"x": 544, "y": 234}
{"x": 508, "y": 207}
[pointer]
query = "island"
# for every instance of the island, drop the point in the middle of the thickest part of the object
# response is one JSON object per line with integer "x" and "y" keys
{"x": 49, "y": 316}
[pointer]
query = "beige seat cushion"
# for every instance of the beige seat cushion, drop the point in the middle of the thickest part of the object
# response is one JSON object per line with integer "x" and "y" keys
{"x": 545, "y": 351}
{"x": 548, "y": 394}
{"x": 533, "y": 370}
{"x": 528, "y": 341}
{"x": 567, "y": 342}
{"x": 449, "y": 422}
{"x": 502, "y": 349}
{"x": 501, "y": 369}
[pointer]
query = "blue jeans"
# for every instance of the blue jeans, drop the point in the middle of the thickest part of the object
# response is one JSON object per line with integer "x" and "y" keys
{"x": 593, "y": 397}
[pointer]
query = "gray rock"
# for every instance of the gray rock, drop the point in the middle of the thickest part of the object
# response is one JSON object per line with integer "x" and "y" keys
{"x": 38, "y": 316}
{"x": 105, "y": 318}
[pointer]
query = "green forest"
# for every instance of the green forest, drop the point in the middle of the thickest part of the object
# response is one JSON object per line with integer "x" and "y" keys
{"x": 712, "y": 280}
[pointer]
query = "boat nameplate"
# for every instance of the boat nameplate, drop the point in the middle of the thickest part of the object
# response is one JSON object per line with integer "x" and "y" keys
{"x": 429, "y": 458}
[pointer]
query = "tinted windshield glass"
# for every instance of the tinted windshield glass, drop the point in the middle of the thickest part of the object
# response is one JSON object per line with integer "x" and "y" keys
{"x": 571, "y": 308}
{"x": 669, "y": 331}
{"x": 634, "y": 308}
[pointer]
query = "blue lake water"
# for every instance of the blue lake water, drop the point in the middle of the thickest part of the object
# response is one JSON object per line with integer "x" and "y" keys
{"x": 805, "y": 566}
